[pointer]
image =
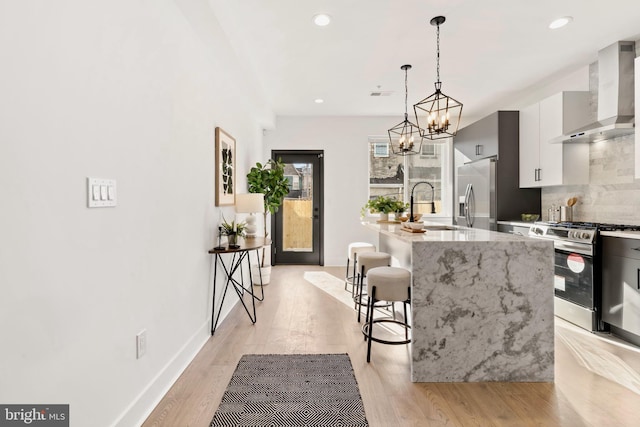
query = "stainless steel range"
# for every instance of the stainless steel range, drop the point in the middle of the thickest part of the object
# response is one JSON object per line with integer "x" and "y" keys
{"x": 578, "y": 269}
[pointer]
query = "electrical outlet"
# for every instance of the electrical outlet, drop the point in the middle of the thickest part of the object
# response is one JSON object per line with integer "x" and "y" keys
{"x": 141, "y": 343}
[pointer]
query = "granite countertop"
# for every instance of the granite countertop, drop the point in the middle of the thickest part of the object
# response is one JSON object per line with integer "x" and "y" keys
{"x": 517, "y": 223}
{"x": 455, "y": 234}
{"x": 622, "y": 234}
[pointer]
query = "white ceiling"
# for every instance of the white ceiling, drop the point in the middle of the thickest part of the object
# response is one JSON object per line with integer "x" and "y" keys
{"x": 493, "y": 52}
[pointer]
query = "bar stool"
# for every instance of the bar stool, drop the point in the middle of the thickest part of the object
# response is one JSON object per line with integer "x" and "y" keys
{"x": 352, "y": 257}
{"x": 367, "y": 261}
{"x": 389, "y": 284}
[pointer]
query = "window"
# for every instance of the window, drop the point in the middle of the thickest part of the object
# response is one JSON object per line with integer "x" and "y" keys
{"x": 380, "y": 149}
{"x": 428, "y": 151}
{"x": 395, "y": 176}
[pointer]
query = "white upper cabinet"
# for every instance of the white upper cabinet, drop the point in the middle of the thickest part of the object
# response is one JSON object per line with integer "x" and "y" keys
{"x": 529, "y": 146}
{"x": 545, "y": 164}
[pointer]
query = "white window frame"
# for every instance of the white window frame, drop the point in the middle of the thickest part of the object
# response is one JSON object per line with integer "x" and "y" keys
{"x": 447, "y": 174}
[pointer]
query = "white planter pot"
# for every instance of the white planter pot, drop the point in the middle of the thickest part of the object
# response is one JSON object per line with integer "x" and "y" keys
{"x": 257, "y": 271}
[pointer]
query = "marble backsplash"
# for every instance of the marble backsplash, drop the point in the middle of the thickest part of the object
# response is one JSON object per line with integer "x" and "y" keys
{"x": 612, "y": 195}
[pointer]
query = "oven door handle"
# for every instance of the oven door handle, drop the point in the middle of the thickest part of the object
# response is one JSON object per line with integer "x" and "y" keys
{"x": 570, "y": 247}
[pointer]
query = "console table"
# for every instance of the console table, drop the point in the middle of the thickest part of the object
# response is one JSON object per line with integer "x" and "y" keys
{"x": 233, "y": 263}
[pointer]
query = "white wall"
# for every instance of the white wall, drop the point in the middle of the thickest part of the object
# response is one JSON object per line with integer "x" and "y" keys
{"x": 346, "y": 171}
{"x": 130, "y": 90}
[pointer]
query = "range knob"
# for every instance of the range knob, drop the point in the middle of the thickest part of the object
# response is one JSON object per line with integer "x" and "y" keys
{"x": 584, "y": 235}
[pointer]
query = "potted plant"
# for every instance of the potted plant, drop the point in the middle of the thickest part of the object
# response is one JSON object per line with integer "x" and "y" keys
{"x": 400, "y": 208}
{"x": 384, "y": 206}
{"x": 269, "y": 180}
{"x": 232, "y": 230}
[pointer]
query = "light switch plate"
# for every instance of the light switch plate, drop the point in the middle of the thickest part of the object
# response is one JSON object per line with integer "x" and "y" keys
{"x": 101, "y": 193}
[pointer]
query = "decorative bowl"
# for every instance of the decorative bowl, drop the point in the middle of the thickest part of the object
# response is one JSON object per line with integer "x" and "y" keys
{"x": 402, "y": 218}
{"x": 529, "y": 217}
{"x": 416, "y": 217}
{"x": 415, "y": 225}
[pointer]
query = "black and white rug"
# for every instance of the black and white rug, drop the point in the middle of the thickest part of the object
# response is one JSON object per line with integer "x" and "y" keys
{"x": 292, "y": 390}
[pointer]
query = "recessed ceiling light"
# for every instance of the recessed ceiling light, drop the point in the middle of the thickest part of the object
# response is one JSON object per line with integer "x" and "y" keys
{"x": 321, "y": 20}
{"x": 319, "y": 101}
{"x": 560, "y": 22}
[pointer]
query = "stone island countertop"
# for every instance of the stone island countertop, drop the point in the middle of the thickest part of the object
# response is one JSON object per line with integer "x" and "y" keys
{"x": 481, "y": 303}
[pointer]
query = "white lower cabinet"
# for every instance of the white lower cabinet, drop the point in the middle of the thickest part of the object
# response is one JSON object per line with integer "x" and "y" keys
{"x": 545, "y": 164}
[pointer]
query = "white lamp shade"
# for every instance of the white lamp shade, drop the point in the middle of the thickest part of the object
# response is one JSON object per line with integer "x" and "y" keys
{"x": 250, "y": 203}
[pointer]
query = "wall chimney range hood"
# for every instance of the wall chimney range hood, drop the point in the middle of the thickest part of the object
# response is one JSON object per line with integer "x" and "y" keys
{"x": 615, "y": 96}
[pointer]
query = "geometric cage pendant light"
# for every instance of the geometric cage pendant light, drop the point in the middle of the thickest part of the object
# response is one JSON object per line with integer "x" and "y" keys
{"x": 405, "y": 137}
{"x": 438, "y": 114}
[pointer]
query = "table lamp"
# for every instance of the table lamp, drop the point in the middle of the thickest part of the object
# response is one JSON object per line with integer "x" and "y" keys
{"x": 250, "y": 203}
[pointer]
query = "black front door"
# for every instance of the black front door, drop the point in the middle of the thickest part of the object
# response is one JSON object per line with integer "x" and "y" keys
{"x": 298, "y": 224}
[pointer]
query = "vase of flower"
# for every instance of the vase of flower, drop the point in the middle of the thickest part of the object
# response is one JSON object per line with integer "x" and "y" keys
{"x": 232, "y": 230}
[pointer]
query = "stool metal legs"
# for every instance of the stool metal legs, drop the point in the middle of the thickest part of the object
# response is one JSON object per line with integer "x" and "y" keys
{"x": 367, "y": 328}
{"x": 353, "y": 276}
{"x": 358, "y": 303}
{"x": 346, "y": 276}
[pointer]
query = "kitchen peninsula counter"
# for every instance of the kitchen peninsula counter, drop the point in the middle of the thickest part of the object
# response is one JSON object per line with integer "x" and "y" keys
{"x": 481, "y": 303}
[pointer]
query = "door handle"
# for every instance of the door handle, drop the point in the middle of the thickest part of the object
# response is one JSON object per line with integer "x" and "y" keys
{"x": 472, "y": 206}
{"x": 638, "y": 281}
{"x": 466, "y": 203}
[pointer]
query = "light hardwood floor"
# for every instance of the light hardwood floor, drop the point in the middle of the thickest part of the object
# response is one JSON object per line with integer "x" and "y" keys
{"x": 597, "y": 381}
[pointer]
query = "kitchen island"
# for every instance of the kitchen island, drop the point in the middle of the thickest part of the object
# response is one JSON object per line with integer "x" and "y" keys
{"x": 481, "y": 303}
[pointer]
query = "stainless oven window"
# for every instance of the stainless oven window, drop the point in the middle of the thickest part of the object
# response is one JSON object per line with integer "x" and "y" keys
{"x": 574, "y": 278}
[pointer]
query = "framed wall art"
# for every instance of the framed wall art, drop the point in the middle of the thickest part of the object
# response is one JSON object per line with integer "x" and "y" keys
{"x": 225, "y": 168}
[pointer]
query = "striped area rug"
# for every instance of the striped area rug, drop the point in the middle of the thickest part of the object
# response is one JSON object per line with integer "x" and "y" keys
{"x": 292, "y": 390}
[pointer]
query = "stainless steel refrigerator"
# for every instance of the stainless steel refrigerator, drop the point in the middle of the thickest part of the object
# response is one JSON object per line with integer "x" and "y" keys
{"x": 476, "y": 194}
{"x": 486, "y": 165}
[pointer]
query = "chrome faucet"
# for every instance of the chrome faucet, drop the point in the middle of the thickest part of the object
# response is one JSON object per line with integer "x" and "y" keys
{"x": 433, "y": 201}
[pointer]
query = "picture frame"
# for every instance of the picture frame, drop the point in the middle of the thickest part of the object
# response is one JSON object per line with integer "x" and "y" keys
{"x": 225, "y": 184}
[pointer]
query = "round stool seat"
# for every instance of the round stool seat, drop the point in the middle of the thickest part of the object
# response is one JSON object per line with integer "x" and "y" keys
{"x": 359, "y": 247}
{"x": 369, "y": 260}
{"x": 391, "y": 283}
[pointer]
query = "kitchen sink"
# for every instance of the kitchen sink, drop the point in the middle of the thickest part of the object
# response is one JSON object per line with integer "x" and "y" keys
{"x": 439, "y": 227}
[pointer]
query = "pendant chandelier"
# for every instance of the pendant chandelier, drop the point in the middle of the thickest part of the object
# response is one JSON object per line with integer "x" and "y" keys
{"x": 405, "y": 137}
{"x": 439, "y": 114}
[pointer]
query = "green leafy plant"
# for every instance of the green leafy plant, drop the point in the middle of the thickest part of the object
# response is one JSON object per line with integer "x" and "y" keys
{"x": 269, "y": 180}
{"x": 232, "y": 227}
{"x": 384, "y": 204}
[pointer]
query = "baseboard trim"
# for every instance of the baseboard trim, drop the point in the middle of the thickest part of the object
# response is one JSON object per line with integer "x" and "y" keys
{"x": 136, "y": 413}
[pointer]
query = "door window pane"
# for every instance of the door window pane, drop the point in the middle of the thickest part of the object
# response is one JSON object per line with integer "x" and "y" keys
{"x": 297, "y": 209}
